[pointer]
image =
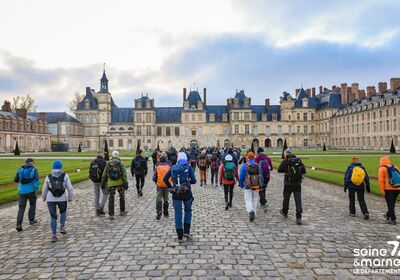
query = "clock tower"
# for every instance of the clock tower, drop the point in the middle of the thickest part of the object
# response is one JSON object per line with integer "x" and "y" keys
{"x": 105, "y": 105}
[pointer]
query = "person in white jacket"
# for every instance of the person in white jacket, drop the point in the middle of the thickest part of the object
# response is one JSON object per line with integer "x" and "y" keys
{"x": 56, "y": 186}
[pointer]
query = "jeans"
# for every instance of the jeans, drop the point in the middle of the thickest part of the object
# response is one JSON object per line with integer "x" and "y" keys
{"x": 121, "y": 192}
{"x": 22, "y": 201}
{"x": 162, "y": 195}
{"x": 193, "y": 165}
{"x": 360, "y": 198}
{"x": 391, "y": 198}
{"x": 250, "y": 197}
{"x": 178, "y": 212}
{"x": 297, "y": 198}
{"x": 262, "y": 192}
{"x": 97, "y": 203}
{"x": 62, "y": 206}
{"x": 139, "y": 182}
{"x": 228, "y": 189}
{"x": 214, "y": 176}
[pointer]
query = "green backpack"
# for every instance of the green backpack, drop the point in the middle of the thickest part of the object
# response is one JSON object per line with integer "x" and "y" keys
{"x": 229, "y": 170}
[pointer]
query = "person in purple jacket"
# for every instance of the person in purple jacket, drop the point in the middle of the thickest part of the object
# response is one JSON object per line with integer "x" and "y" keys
{"x": 266, "y": 166}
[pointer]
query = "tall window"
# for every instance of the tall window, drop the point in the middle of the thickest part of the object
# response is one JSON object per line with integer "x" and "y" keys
{"x": 305, "y": 116}
{"x": 225, "y": 131}
{"x": 246, "y": 129}
{"x": 279, "y": 129}
{"x": 148, "y": 117}
{"x": 120, "y": 143}
{"x": 193, "y": 116}
{"x": 177, "y": 131}
{"x": 305, "y": 129}
{"x": 246, "y": 116}
{"x": 199, "y": 117}
{"x": 159, "y": 130}
{"x": 298, "y": 116}
{"x": 139, "y": 130}
{"x": 312, "y": 116}
{"x": 267, "y": 130}
{"x": 236, "y": 116}
{"x": 387, "y": 125}
{"x": 148, "y": 132}
{"x": 138, "y": 117}
{"x": 290, "y": 129}
{"x": 186, "y": 118}
{"x": 236, "y": 129}
{"x": 168, "y": 131}
{"x": 298, "y": 129}
{"x": 312, "y": 129}
{"x": 111, "y": 142}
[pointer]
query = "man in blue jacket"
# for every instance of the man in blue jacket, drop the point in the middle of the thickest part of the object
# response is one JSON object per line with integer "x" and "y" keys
{"x": 28, "y": 181}
{"x": 251, "y": 178}
{"x": 357, "y": 187}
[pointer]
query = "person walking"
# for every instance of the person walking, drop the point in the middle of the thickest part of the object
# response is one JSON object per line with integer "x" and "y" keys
{"x": 155, "y": 157}
{"x": 55, "y": 187}
{"x": 139, "y": 170}
{"x": 293, "y": 168}
{"x": 250, "y": 179}
{"x": 115, "y": 177}
{"x": 203, "y": 163}
{"x": 356, "y": 180}
{"x": 227, "y": 175}
{"x": 162, "y": 189}
{"x": 182, "y": 178}
{"x": 214, "y": 167}
{"x": 96, "y": 170}
{"x": 193, "y": 158}
{"x": 389, "y": 184}
{"x": 28, "y": 181}
{"x": 266, "y": 166}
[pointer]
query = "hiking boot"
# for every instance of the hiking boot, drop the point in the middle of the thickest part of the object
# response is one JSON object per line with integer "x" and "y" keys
{"x": 392, "y": 222}
{"x": 265, "y": 208}
{"x": 201, "y": 184}
{"x": 166, "y": 213}
{"x": 188, "y": 236}
{"x": 100, "y": 212}
{"x": 386, "y": 217}
{"x": 140, "y": 193}
{"x": 112, "y": 217}
{"x": 53, "y": 238}
{"x": 19, "y": 228}
{"x": 366, "y": 216}
{"x": 226, "y": 206}
{"x": 123, "y": 213}
{"x": 298, "y": 221}
{"x": 352, "y": 215}
{"x": 283, "y": 214}
{"x": 252, "y": 216}
{"x": 186, "y": 231}
{"x": 158, "y": 215}
{"x": 230, "y": 204}
{"x": 180, "y": 235}
{"x": 33, "y": 222}
{"x": 63, "y": 231}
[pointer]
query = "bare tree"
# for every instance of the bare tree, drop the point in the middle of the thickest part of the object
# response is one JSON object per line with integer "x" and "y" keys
{"x": 73, "y": 105}
{"x": 24, "y": 102}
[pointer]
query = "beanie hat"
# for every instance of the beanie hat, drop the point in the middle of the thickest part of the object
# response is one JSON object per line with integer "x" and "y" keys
{"x": 250, "y": 155}
{"x": 57, "y": 164}
{"x": 115, "y": 154}
{"x": 260, "y": 150}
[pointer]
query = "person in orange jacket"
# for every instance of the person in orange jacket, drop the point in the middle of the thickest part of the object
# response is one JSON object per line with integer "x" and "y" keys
{"x": 386, "y": 188}
{"x": 162, "y": 190}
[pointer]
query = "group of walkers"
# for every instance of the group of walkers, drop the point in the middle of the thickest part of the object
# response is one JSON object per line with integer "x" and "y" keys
{"x": 174, "y": 172}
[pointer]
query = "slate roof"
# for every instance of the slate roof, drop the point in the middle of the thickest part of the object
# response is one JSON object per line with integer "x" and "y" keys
{"x": 168, "y": 114}
{"x": 312, "y": 101}
{"x": 261, "y": 109}
{"x": 14, "y": 115}
{"x": 121, "y": 115}
{"x": 193, "y": 98}
{"x": 55, "y": 117}
{"x": 218, "y": 110}
{"x": 91, "y": 96}
{"x": 330, "y": 99}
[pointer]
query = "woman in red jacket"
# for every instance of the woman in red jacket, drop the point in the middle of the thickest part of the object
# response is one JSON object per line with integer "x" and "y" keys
{"x": 228, "y": 176}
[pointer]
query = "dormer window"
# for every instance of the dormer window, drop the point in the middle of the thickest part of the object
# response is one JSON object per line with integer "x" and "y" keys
{"x": 305, "y": 102}
{"x": 87, "y": 104}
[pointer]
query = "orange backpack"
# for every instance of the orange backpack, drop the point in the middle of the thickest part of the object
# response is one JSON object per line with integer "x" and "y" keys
{"x": 161, "y": 171}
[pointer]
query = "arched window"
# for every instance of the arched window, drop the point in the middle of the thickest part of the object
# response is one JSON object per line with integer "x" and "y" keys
{"x": 227, "y": 143}
{"x": 112, "y": 129}
{"x": 121, "y": 129}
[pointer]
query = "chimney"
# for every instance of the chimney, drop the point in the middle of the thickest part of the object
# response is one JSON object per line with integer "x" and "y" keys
{"x": 22, "y": 113}
{"x": 394, "y": 83}
{"x": 333, "y": 88}
{"x": 308, "y": 91}
{"x": 361, "y": 94}
{"x": 42, "y": 116}
{"x": 297, "y": 92}
{"x": 205, "y": 97}
{"x": 6, "y": 106}
{"x": 382, "y": 87}
{"x": 87, "y": 89}
{"x": 343, "y": 92}
{"x": 313, "y": 92}
{"x": 371, "y": 91}
{"x": 184, "y": 94}
{"x": 321, "y": 89}
{"x": 267, "y": 104}
{"x": 228, "y": 104}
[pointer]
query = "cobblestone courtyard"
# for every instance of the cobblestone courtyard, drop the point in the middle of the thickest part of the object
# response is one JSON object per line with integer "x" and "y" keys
{"x": 225, "y": 244}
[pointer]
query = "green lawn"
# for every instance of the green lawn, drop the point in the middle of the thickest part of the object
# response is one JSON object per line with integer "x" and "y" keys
{"x": 68, "y": 154}
{"x": 330, "y": 152}
{"x": 8, "y": 169}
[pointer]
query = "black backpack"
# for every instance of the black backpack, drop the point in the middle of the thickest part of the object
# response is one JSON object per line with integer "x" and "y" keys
{"x": 95, "y": 172}
{"x": 139, "y": 165}
{"x": 295, "y": 172}
{"x": 253, "y": 176}
{"x": 114, "y": 170}
{"x": 57, "y": 186}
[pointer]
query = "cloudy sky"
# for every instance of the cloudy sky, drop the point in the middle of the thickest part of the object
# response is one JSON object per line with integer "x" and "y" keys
{"x": 51, "y": 49}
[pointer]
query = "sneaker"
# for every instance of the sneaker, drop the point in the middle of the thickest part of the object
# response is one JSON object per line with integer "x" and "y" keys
{"x": 140, "y": 193}
{"x": 112, "y": 217}
{"x": 265, "y": 208}
{"x": 100, "y": 212}
{"x": 53, "y": 238}
{"x": 366, "y": 216}
{"x": 33, "y": 222}
{"x": 283, "y": 214}
{"x": 123, "y": 213}
{"x": 252, "y": 216}
{"x": 226, "y": 206}
{"x": 352, "y": 215}
{"x": 201, "y": 184}
{"x": 63, "y": 231}
{"x": 19, "y": 228}
{"x": 166, "y": 214}
{"x": 298, "y": 221}
{"x": 180, "y": 240}
{"x": 188, "y": 236}
{"x": 386, "y": 217}
{"x": 158, "y": 216}
{"x": 230, "y": 204}
{"x": 394, "y": 222}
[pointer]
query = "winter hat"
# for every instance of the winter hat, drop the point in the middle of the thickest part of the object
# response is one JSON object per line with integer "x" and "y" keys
{"x": 115, "y": 154}
{"x": 250, "y": 155}
{"x": 57, "y": 164}
{"x": 29, "y": 160}
{"x": 260, "y": 150}
{"x": 182, "y": 156}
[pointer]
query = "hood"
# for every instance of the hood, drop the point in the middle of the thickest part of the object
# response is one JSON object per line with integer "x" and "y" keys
{"x": 57, "y": 172}
{"x": 384, "y": 161}
{"x": 182, "y": 161}
{"x": 251, "y": 161}
{"x": 262, "y": 156}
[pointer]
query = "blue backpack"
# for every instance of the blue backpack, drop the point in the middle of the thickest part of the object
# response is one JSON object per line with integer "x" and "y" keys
{"x": 394, "y": 176}
{"x": 26, "y": 175}
{"x": 180, "y": 178}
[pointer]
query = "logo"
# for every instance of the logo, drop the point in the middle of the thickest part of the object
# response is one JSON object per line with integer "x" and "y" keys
{"x": 378, "y": 261}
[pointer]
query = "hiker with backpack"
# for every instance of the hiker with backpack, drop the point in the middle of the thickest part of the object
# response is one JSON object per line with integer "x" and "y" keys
{"x": 389, "y": 185}
{"x": 266, "y": 166}
{"x": 182, "y": 178}
{"x": 250, "y": 179}
{"x": 56, "y": 184}
{"x": 293, "y": 168}
{"x": 173, "y": 155}
{"x": 114, "y": 176}
{"x": 193, "y": 158}
{"x": 28, "y": 181}
{"x": 214, "y": 167}
{"x": 227, "y": 175}
{"x": 356, "y": 180}
{"x": 139, "y": 170}
{"x": 96, "y": 170}
{"x": 233, "y": 154}
{"x": 203, "y": 162}
{"x": 162, "y": 190}
{"x": 155, "y": 157}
